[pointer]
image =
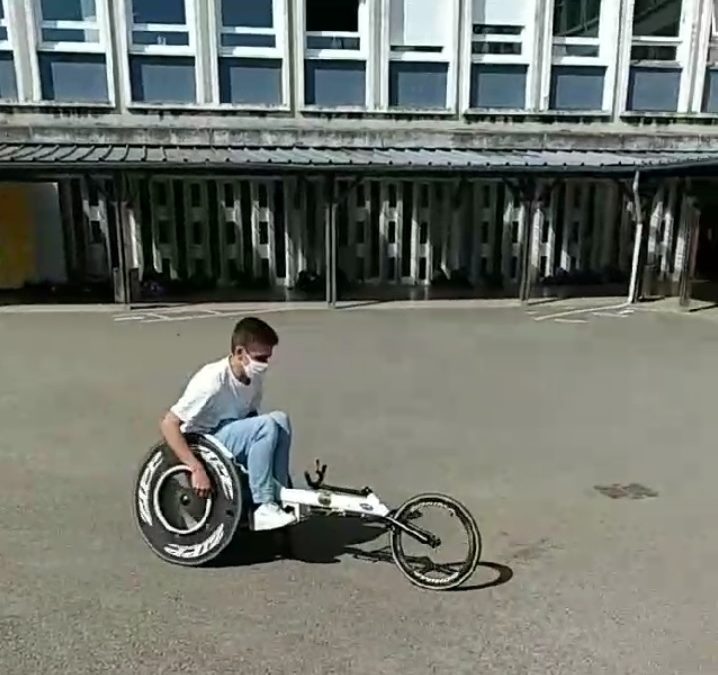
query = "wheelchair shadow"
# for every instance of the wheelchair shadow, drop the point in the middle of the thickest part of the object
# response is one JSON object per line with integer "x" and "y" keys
{"x": 498, "y": 574}
{"x": 320, "y": 540}
{"x": 325, "y": 540}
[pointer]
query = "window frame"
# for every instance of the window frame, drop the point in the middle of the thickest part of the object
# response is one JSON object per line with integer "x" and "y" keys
{"x": 366, "y": 9}
{"x": 279, "y": 52}
{"x": 606, "y": 58}
{"x": 8, "y": 46}
{"x": 529, "y": 40}
{"x": 37, "y": 45}
{"x": 707, "y": 39}
{"x": 447, "y": 54}
{"x": 193, "y": 12}
{"x": 683, "y": 62}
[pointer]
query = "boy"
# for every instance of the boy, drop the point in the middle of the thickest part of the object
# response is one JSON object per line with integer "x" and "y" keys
{"x": 223, "y": 399}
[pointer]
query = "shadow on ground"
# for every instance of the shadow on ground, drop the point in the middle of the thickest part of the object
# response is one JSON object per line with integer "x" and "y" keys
{"x": 325, "y": 540}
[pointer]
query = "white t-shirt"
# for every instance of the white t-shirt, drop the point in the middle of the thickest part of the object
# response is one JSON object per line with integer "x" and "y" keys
{"x": 215, "y": 394}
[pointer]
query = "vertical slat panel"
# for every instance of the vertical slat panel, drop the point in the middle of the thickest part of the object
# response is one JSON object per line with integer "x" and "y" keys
{"x": 365, "y": 251}
{"x": 269, "y": 250}
{"x": 547, "y": 260}
{"x": 163, "y": 211}
{"x": 626, "y": 236}
{"x": 668, "y": 229}
{"x": 581, "y": 213}
{"x": 682, "y": 238}
{"x": 443, "y": 192}
{"x": 513, "y": 226}
{"x": 291, "y": 225}
{"x": 69, "y": 220}
{"x": 196, "y": 223}
{"x": 607, "y": 217}
{"x": 224, "y": 221}
{"x": 254, "y": 198}
{"x": 414, "y": 264}
{"x": 657, "y": 208}
{"x": 456, "y": 198}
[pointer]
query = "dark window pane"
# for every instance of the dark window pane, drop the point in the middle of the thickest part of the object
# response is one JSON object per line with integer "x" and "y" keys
{"x": 656, "y": 18}
{"x": 158, "y": 11}
{"x": 498, "y": 86}
{"x": 331, "y": 42}
{"x": 142, "y": 37}
{"x": 653, "y": 53}
{"x": 577, "y": 88}
{"x": 496, "y": 48}
{"x": 332, "y": 15}
{"x": 249, "y": 13}
{"x": 335, "y": 83}
{"x": 68, "y": 10}
{"x": 3, "y": 33}
{"x": 73, "y": 77}
{"x": 69, "y": 35}
{"x": 576, "y": 18}
{"x": 8, "y": 86}
{"x": 417, "y": 85}
{"x": 248, "y": 81}
{"x": 163, "y": 79}
{"x": 710, "y": 97}
{"x": 576, "y": 50}
{"x": 247, "y": 40}
{"x": 653, "y": 89}
{"x": 493, "y": 29}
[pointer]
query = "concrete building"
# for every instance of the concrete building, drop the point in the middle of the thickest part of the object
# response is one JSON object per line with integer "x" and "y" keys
{"x": 490, "y": 146}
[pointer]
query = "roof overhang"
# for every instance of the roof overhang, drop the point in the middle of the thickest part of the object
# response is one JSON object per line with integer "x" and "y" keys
{"x": 83, "y": 158}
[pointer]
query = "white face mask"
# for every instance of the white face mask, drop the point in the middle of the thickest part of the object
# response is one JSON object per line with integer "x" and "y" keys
{"x": 254, "y": 368}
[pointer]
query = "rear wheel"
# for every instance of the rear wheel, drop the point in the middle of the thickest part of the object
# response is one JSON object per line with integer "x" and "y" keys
{"x": 176, "y": 524}
{"x": 452, "y": 556}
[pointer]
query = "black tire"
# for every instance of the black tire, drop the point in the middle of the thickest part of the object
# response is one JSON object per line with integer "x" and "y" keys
{"x": 163, "y": 504}
{"x": 406, "y": 514}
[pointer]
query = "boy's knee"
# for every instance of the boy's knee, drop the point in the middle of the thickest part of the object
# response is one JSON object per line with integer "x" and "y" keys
{"x": 281, "y": 419}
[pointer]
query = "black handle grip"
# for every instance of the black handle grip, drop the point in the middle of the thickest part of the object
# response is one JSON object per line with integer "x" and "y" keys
{"x": 320, "y": 470}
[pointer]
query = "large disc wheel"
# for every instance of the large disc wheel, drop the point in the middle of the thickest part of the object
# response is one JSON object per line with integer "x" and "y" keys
{"x": 454, "y": 549}
{"x": 176, "y": 524}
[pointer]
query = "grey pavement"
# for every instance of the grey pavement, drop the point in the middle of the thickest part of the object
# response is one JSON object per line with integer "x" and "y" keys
{"x": 519, "y": 419}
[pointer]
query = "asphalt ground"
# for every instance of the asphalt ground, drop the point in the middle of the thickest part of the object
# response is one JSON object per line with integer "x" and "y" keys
{"x": 520, "y": 419}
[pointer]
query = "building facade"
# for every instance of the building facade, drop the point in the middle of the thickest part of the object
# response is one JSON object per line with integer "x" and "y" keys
{"x": 493, "y": 75}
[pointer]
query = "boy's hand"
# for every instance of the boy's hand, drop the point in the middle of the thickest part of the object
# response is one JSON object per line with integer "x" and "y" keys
{"x": 200, "y": 482}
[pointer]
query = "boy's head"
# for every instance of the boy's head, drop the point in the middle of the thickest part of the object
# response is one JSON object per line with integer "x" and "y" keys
{"x": 253, "y": 342}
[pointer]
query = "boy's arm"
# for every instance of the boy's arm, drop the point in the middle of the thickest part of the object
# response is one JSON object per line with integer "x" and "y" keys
{"x": 196, "y": 398}
{"x": 170, "y": 426}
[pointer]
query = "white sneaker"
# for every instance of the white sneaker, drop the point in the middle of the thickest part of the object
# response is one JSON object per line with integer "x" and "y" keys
{"x": 270, "y": 517}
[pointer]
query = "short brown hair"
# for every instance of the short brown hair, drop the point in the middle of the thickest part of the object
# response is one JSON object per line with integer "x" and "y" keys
{"x": 250, "y": 330}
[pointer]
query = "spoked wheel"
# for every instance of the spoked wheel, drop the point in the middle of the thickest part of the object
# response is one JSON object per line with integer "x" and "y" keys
{"x": 176, "y": 524}
{"x": 435, "y": 542}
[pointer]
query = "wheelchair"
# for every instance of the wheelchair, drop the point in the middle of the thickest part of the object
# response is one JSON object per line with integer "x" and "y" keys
{"x": 185, "y": 529}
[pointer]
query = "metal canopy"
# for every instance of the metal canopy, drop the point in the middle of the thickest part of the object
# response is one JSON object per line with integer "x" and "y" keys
{"x": 83, "y": 157}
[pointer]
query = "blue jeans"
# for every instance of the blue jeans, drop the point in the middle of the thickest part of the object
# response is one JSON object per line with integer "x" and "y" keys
{"x": 261, "y": 445}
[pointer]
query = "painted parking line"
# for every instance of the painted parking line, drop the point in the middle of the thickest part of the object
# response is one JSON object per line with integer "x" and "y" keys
{"x": 577, "y": 312}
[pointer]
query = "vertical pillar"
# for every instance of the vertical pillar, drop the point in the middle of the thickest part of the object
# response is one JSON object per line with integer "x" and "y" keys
{"x": 121, "y": 236}
{"x": 330, "y": 242}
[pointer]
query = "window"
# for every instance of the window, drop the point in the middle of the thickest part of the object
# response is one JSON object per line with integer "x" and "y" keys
{"x": 336, "y": 47}
{"x": 162, "y": 51}
{"x": 67, "y": 22}
{"x": 8, "y": 83}
{"x": 251, "y": 48}
{"x": 709, "y": 102}
{"x": 659, "y": 52}
{"x": 420, "y": 53}
{"x": 503, "y": 34}
{"x": 583, "y": 54}
{"x": 72, "y": 47}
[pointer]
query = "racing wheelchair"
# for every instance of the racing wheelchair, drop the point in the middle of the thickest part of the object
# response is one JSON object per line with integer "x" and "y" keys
{"x": 185, "y": 529}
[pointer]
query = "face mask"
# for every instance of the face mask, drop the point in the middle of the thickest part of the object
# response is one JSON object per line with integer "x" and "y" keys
{"x": 255, "y": 368}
